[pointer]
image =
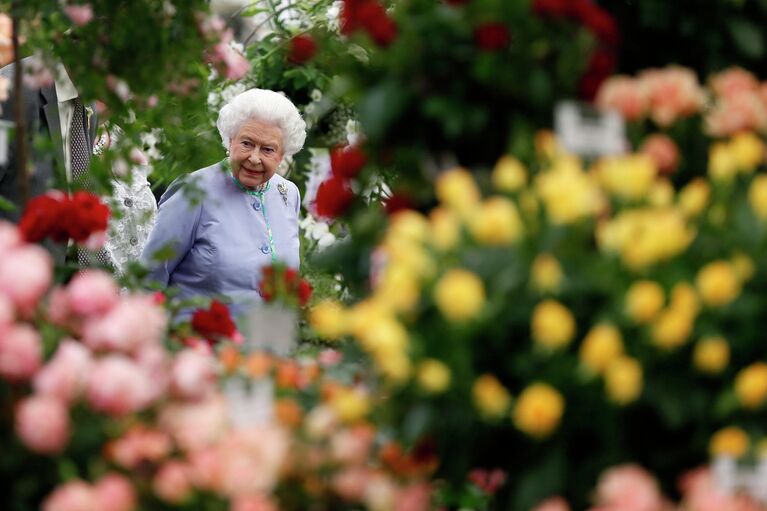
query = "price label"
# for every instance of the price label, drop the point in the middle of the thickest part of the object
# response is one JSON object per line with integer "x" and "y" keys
{"x": 588, "y": 132}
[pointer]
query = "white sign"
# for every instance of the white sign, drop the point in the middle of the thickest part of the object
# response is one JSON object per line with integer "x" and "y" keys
{"x": 588, "y": 132}
{"x": 271, "y": 328}
{"x": 5, "y": 127}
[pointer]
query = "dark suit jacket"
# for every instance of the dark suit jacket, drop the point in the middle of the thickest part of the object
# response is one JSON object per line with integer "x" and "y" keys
{"x": 41, "y": 112}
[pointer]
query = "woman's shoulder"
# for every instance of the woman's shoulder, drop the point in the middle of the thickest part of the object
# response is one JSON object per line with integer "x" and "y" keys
{"x": 195, "y": 185}
{"x": 278, "y": 180}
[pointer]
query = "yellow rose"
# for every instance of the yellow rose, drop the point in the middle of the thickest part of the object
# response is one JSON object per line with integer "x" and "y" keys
{"x": 722, "y": 163}
{"x": 546, "y": 145}
{"x": 684, "y": 299}
{"x": 623, "y": 380}
{"x": 490, "y": 397}
{"x": 351, "y": 405}
{"x": 602, "y": 345}
{"x": 693, "y": 198}
{"x": 459, "y": 295}
{"x": 757, "y": 196}
{"x": 751, "y": 385}
{"x": 412, "y": 256}
{"x": 538, "y": 411}
{"x": 408, "y": 225}
{"x": 748, "y": 151}
{"x": 730, "y": 441}
{"x": 661, "y": 193}
{"x": 364, "y": 313}
{"x": 329, "y": 319}
{"x": 509, "y": 175}
{"x": 496, "y": 222}
{"x": 743, "y": 265}
{"x": 433, "y": 376}
{"x": 644, "y": 301}
{"x": 567, "y": 193}
{"x": 383, "y": 335}
{"x": 672, "y": 328}
{"x": 553, "y": 325}
{"x": 546, "y": 274}
{"x": 394, "y": 365}
{"x": 711, "y": 355}
{"x": 628, "y": 177}
{"x": 717, "y": 284}
{"x": 398, "y": 288}
{"x": 457, "y": 190}
{"x": 445, "y": 228}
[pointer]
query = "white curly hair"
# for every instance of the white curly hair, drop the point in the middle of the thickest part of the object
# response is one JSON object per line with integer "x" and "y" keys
{"x": 264, "y": 105}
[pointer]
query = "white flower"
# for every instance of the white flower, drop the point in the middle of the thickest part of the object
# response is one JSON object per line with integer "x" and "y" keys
{"x": 326, "y": 240}
{"x": 309, "y": 108}
{"x": 316, "y": 95}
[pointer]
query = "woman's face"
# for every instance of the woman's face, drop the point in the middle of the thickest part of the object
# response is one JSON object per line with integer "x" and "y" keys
{"x": 256, "y": 152}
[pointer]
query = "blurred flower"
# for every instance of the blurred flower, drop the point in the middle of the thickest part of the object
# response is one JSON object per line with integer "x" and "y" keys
{"x": 370, "y": 16}
{"x": 701, "y": 491}
{"x": 91, "y": 292}
{"x": 600, "y": 347}
{"x": 351, "y": 446}
{"x": 661, "y": 194}
{"x": 433, "y": 376}
{"x": 492, "y": 36}
{"x": 757, "y": 196}
{"x": 751, "y": 385}
{"x": 644, "y": 301}
{"x": 346, "y": 162}
{"x": 552, "y": 325}
{"x": 192, "y": 425}
{"x": 673, "y": 92}
{"x": 538, "y": 410}
{"x": 75, "y": 495}
{"x": 733, "y": 81}
{"x": 193, "y": 375}
{"x": 351, "y": 405}
{"x": 748, "y": 150}
{"x": 722, "y": 165}
{"x": 629, "y": 488}
{"x": 567, "y": 193}
{"x": 623, "y": 94}
{"x": 136, "y": 321}
{"x": 627, "y": 177}
{"x": 65, "y": 375}
{"x": 717, "y": 284}
{"x": 509, "y": 174}
{"x": 459, "y": 295}
{"x": 546, "y": 274}
{"x": 172, "y": 483}
{"x": 663, "y": 151}
{"x": 118, "y": 386}
{"x": 730, "y": 441}
{"x": 711, "y": 355}
{"x": 490, "y": 397}
{"x": 553, "y": 504}
{"x": 672, "y": 328}
{"x": 445, "y": 228}
{"x": 26, "y": 273}
{"x": 214, "y": 323}
{"x": 693, "y": 198}
{"x": 457, "y": 190}
{"x": 21, "y": 352}
{"x": 623, "y": 380}
{"x": 302, "y": 48}
{"x": 114, "y": 492}
{"x": 80, "y": 14}
{"x": 489, "y": 481}
{"x": 328, "y": 319}
{"x": 496, "y": 222}
{"x": 744, "y": 111}
{"x": 6, "y": 34}
{"x": 743, "y": 265}
{"x": 334, "y": 196}
{"x": 42, "y": 424}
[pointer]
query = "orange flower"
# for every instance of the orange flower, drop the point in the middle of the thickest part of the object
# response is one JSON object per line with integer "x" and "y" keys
{"x": 288, "y": 412}
{"x": 258, "y": 365}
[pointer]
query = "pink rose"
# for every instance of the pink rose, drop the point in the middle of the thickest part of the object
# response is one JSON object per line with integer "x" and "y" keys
{"x": 352, "y": 446}
{"x": 140, "y": 445}
{"x": 65, "y": 375}
{"x": 205, "y": 468}
{"x": 663, "y": 152}
{"x": 9, "y": 236}
{"x": 252, "y": 503}
{"x": 134, "y": 321}
{"x": 92, "y": 292}
{"x": 673, "y": 92}
{"x": 114, "y": 492}
{"x": 118, "y": 386}
{"x": 731, "y": 114}
{"x": 172, "y": 483}
{"x": 629, "y": 488}
{"x": 251, "y": 459}
{"x": 7, "y": 314}
{"x": 330, "y": 357}
{"x": 350, "y": 483}
{"x": 42, "y": 424}
{"x": 154, "y": 360}
{"x": 21, "y": 352}
{"x": 25, "y": 275}
{"x": 553, "y": 504}
{"x": 79, "y": 14}
{"x": 623, "y": 94}
{"x": 415, "y": 497}
{"x": 229, "y": 62}
{"x": 700, "y": 492}
{"x": 72, "y": 496}
{"x": 193, "y": 375}
{"x": 734, "y": 81}
{"x": 58, "y": 308}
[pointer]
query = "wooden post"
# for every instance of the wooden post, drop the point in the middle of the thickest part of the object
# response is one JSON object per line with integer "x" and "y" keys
{"x": 18, "y": 113}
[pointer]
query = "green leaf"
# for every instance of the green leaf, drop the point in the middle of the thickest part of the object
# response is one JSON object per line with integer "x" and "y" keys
{"x": 747, "y": 37}
{"x": 6, "y": 205}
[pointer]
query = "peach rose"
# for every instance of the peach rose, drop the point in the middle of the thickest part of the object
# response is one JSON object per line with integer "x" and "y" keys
{"x": 42, "y": 424}
{"x": 114, "y": 492}
{"x": 553, "y": 504}
{"x": 353, "y": 445}
{"x": 731, "y": 114}
{"x": 663, "y": 151}
{"x": 26, "y": 273}
{"x": 255, "y": 502}
{"x": 700, "y": 492}
{"x": 629, "y": 488}
{"x": 21, "y": 352}
{"x": 673, "y": 92}
{"x": 72, "y": 496}
{"x": 172, "y": 483}
{"x": 65, "y": 375}
{"x": 118, "y": 386}
{"x": 415, "y": 497}
{"x": 733, "y": 81}
{"x": 623, "y": 93}
{"x": 195, "y": 425}
{"x": 350, "y": 483}
{"x": 139, "y": 445}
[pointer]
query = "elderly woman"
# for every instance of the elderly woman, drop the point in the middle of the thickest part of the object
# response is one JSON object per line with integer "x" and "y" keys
{"x": 226, "y": 222}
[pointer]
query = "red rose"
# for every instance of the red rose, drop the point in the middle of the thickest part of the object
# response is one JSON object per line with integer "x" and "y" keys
{"x": 600, "y": 67}
{"x": 397, "y": 202}
{"x": 44, "y": 217}
{"x": 214, "y": 322}
{"x": 347, "y": 161}
{"x": 302, "y": 49}
{"x": 492, "y": 36}
{"x": 333, "y": 197}
{"x": 86, "y": 215}
{"x": 372, "y": 16}
{"x": 600, "y": 23}
{"x": 304, "y": 292}
{"x": 553, "y": 8}
{"x": 349, "y": 21}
